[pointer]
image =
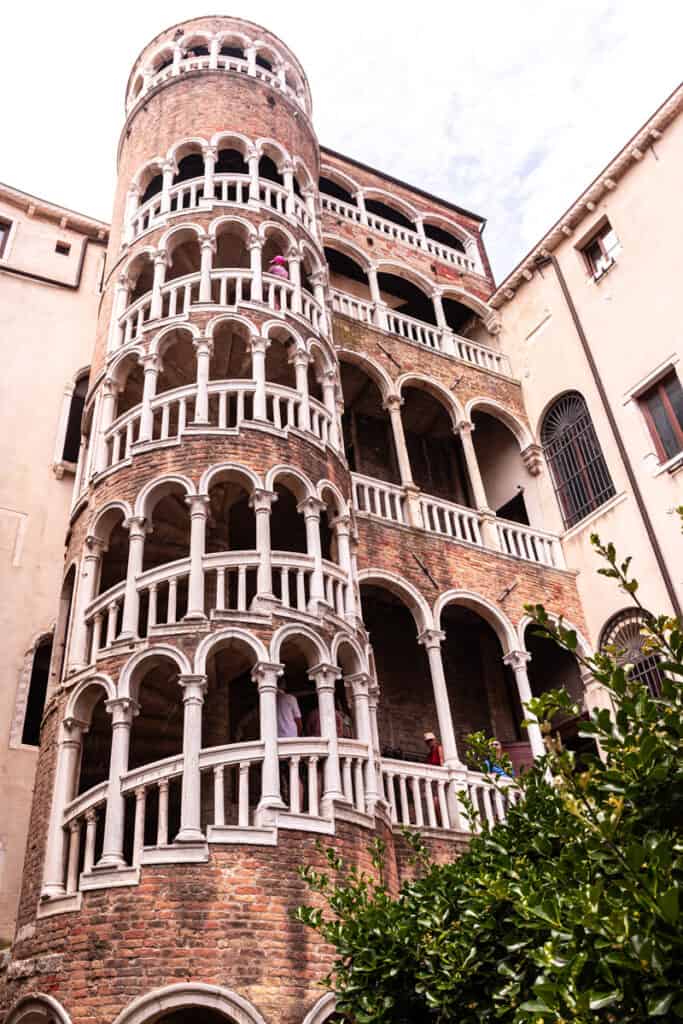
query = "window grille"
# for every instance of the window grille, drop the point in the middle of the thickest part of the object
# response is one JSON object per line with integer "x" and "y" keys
{"x": 624, "y": 632}
{"x": 579, "y": 471}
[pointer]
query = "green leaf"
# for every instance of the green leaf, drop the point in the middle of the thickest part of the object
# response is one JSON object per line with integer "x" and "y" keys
{"x": 658, "y": 1005}
{"x": 668, "y": 904}
{"x": 598, "y": 1000}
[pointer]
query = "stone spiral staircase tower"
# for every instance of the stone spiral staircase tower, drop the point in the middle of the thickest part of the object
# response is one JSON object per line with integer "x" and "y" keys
{"x": 213, "y": 554}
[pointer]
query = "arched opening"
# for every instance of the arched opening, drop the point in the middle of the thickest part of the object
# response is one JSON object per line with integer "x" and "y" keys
{"x": 197, "y": 48}
{"x": 436, "y": 456}
{"x": 460, "y": 318}
{"x": 114, "y": 563}
{"x": 279, "y": 367}
{"x": 190, "y": 166}
{"x": 481, "y": 689}
{"x": 230, "y": 526}
{"x": 328, "y": 539}
{"x": 510, "y": 491}
{"x": 287, "y": 526}
{"x": 231, "y": 253}
{"x": 231, "y": 356}
{"x": 388, "y": 212}
{"x": 623, "y": 636}
{"x": 267, "y": 169}
{"x": 96, "y": 745}
{"x": 183, "y": 254}
{"x": 406, "y": 298}
{"x": 577, "y": 465}
{"x": 72, "y": 437}
{"x": 553, "y": 668}
{"x": 164, "y": 59}
{"x": 63, "y": 626}
{"x": 230, "y": 161}
{"x": 130, "y": 377}
{"x": 232, "y": 49}
{"x": 169, "y": 519}
{"x": 328, "y": 187}
{"x": 347, "y": 275}
{"x": 406, "y": 709}
{"x": 141, "y": 276}
{"x": 178, "y": 361}
{"x": 276, "y": 245}
{"x": 439, "y": 234}
{"x": 368, "y": 437}
{"x": 230, "y": 715}
{"x": 317, "y": 365}
{"x": 154, "y": 187}
{"x": 265, "y": 59}
{"x": 194, "y": 1015}
{"x": 37, "y": 691}
{"x": 349, "y": 663}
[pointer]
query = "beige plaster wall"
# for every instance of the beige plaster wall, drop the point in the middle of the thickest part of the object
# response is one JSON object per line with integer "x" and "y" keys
{"x": 632, "y": 320}
{"x": 47, "y": 334}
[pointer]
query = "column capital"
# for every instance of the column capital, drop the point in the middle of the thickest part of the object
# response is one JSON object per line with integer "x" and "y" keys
{"x": 110, "y": 386}
{"x": 74, "y": 728}
{"x": 254, "y": 242}
{"x": 123, "y": 281}
{"x": 293, "y": 255}
{"x": 318, "y": 277}
{"x": 209, "y": 151}
{"x": 533, "y": 458}
{"x": 431, "y": 638}
{"x": 360, "y": 682}
{"x": 324, "y": 675}
{"x": 122, "y": 710}
{"x": 311, "y": 507}
{"x": 198, "y": 504}
{"x": 464, "y": 427}
{"x": 393, "y": 402}
{"x": 151, "y": 361}
{"x": 261, "y": 500}
{"x": 208, "y": 242}
{"x": 134, "y": 190}
{"x": 193, "y": 687}
{"x": 136, "y": 526}
{"x": 203, "y": 345}
{"x": 517, "y": 659}
{"x": 259, "y": 344}
{"x": 342, "y": 523}
{"x": 161, "y": 258}
{"x": 299, "y": 357}
{"x": 94, "y": 546}
{"x": 266, "y": 674}
{"x": 168, "y": 167}
{"x": 329, "y": 376}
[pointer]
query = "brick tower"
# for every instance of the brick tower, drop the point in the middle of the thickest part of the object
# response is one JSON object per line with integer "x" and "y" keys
{"x": 307, "y": 515}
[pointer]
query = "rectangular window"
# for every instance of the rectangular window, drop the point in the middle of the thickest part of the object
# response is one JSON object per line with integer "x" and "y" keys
{"x": 63, "y": 248}
{"x": 5, "y": 227}
{"x": 662, "y": 406}
{"x": 601, "y": 252}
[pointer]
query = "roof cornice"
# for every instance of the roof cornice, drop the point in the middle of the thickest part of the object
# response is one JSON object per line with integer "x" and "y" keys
{"x": 66, "y": 218}
{"x": 607, "y": 181}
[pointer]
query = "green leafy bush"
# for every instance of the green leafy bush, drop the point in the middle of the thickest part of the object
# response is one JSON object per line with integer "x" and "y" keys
{"x": 568, "y": 911}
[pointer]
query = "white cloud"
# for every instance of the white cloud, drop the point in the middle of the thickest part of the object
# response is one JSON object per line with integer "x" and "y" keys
{"x": 506, "y": 108}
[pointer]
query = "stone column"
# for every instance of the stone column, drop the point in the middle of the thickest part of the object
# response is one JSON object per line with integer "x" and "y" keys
{"x": 208, "y": 247}
{"x": 203, "y": 348}
{"x": 168, "y": 173}
{"x": 110, "y": 390}
{"x": 300, "y": 360}
{"x": 209, "y": 166}
{"x": 311, "y": 508}
{"x": 373, "y": 702}
{"x": 136, "y": 552}
{"x": 261, "y": 501}
{"x": 198, "y": 504}
{"x": 122, "y": 711}
{"x": 437, "y": 302}
{"x": 487, "y": 516}
{"x": 119, "y": 306}
{"x": 194, "y": 688}
{"x": 160, "y": 264}
{"x": 265, "y": 675}
{"x": 65, "y": 784}
{"x": 258, "y": 371}
{"x": 518, "y": 661}
{"x": 431, "y": 639}
{"x": 213, "y": 52}
{"x": 329, "y": 385}
{"x": 151, "y": 364}
{"x": 132, "y": 206}
{"x": 318, "y": 280}
{"x": 393, "y": 404}
{"x": 252, "y": 161}
{"x": 342, "y": 529}
{"x": 294, "y": 264}
{"x": 288, "y": 177}
{"x": 87, "y": 585}
{"x": 309, "y": 198}
{"x": 378, "y": 302}
{"x": 360, "y": 203}
{"x": 255, "y": 248}
{"x": 360, "y": 688}
{"x": 420, "y": 226}
{"x": 324, "y": 677}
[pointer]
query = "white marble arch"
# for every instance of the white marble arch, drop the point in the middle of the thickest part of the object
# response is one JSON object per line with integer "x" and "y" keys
{"x": 37, "y": 1008}
{"x": 499, "y": 622}
{"x": 129, "y": 679}
{"x": 521, "y": 432}
{"x": 294, "y": 631}
{"x": 189, "y": 994}
{"x": 323, "y": 1009}
{"x": 216, "y": 639}
{"x": 400, "y": 587}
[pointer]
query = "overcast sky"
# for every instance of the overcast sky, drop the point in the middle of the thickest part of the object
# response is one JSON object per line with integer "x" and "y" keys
{"x": 507, "y": 108}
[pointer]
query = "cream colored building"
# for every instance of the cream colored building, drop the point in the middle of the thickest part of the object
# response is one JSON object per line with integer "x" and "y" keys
{"x": 51, "y": 263}
{"x": 624, "y": 313}
{"x": 594, "y": 310}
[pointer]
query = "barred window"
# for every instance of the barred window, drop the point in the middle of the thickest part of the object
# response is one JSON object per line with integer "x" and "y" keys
{"x": 579, "y": 471}
{"x": 623, "y": 632}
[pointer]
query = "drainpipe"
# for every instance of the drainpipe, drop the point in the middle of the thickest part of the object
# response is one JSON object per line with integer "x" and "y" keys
{"x": 637, "y": 494}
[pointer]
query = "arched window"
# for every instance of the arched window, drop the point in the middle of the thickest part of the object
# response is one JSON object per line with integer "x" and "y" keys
{"x": 31, "y": 694}
{"x": 72, "y": 439}
{"x": 624, "y": 633}
{"x": 580, "y": 474}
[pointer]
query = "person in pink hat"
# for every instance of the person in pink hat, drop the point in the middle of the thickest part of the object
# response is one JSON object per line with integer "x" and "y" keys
{"x": 278, "y": 267}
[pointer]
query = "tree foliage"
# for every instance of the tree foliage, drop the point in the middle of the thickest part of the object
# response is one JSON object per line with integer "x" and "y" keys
{"x": 569, "y": 910}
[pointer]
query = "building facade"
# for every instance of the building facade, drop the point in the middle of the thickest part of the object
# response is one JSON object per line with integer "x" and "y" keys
{"x": 309, "y": 506}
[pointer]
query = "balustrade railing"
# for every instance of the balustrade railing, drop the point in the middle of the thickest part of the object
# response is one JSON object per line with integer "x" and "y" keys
{"x": 406, "y": 236}
{"x": 231, "y": 403}
{"x": 83, "y": 821}
{"x": 436, "y": 515}
{"x": 229, "y": 189}
{"x": 419, "y": 332}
